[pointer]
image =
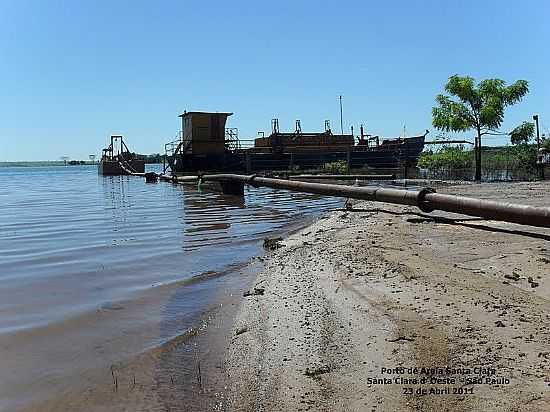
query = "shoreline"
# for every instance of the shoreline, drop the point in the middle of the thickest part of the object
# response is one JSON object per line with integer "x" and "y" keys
{"x": 361, "y": 292}
{"x": 352, "y": 292}
{"x": 187, "y": 369}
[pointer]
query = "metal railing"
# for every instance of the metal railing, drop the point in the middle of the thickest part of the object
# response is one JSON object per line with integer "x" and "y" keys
{"x": 232, "y": 139}
{"x": 507, "y": 173}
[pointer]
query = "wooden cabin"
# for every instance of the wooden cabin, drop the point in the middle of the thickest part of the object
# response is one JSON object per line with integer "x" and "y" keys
{"x": 203, "y": 132}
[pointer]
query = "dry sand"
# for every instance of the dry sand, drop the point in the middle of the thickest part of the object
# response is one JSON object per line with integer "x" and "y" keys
{"x": 385, "y": 286}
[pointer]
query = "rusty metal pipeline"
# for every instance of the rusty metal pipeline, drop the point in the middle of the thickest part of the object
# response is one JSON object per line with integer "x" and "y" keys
{"x": 425, "y": 199}
{"x": 489, "y": 209}
{"x": 128, "y": 171}
{"x": 372, "y": 193}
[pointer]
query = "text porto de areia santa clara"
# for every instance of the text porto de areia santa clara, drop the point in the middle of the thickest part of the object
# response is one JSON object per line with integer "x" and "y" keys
{"x": 444, "y": 377}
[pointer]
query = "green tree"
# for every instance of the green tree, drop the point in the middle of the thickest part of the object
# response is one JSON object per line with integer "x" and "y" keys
{"x": 522, "y": 133}
{"x": 478, "y": 106}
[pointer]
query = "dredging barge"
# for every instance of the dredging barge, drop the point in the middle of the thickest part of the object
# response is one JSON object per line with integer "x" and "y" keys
{"x": 204, "y": 144}
{"x": 117, "y": 159}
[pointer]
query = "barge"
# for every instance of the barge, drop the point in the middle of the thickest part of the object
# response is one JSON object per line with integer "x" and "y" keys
{"x": 204, "y": 144}
{"x": 117, "y": 159}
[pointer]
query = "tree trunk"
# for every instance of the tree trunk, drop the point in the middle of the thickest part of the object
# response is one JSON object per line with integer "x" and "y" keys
{"x": 478, "y": 156}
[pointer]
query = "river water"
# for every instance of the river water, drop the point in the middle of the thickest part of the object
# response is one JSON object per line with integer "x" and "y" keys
{"x": 95, "y": 270}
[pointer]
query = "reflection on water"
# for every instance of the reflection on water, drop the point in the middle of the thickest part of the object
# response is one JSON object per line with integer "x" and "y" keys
{"x": 92, "y": 264}
{"x": 67, "y": 232}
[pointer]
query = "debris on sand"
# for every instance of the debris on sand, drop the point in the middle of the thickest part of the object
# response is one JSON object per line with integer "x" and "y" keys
{"x": 532, "y": 282}
{"x": 254, "y": 292}
{"x": 241, "y": 330}
{"x": 514, "y": 276}
{"x": 273, "y": 243}
{"x": 314, "y": 373}
{"x": 400, "y": 339}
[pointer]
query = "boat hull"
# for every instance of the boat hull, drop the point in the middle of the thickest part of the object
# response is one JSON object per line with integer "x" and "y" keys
{"x": 112, "y": 168}
{"x": 248, "y": 161}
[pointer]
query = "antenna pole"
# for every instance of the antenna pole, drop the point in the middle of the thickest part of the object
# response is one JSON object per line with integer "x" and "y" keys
{"x": 536, "y": 119}
{"x": 341, "y": 117}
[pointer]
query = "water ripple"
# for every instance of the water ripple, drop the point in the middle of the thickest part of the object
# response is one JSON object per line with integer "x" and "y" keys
{"x": 66, "y": 229}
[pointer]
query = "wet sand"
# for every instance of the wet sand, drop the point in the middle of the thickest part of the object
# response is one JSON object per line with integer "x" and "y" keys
{"x": 183, "y": 372}
{"x": 358, "y": 295}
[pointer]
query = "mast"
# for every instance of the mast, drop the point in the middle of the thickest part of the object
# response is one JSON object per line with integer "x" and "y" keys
{"x": 341, "y": 117}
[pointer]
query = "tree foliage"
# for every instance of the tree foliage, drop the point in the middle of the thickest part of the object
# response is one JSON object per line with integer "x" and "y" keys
{"x": 522, "y": 157}
{"x": 522, "y": 133}
{"x": 449, "y": 157}
{"x": 338, "y": 167}
{"x": 480, "y": 106}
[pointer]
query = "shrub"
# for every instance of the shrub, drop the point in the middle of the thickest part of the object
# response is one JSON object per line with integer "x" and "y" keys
{"x": 517, "y": 161}
{"x": 449, "y": 157}
{"x": 339, "y": 167}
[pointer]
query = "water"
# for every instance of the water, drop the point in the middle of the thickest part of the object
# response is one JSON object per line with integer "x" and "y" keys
{"x": 98, "y": 269}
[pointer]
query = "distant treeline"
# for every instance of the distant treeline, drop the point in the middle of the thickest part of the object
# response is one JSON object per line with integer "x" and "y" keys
{"x": 37, "y": 163}
{"x": 152, "y": 158}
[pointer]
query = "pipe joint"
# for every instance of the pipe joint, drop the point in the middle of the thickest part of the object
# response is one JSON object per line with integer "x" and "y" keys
{"x": 250, "y": 180}
{"x": 422, "y": 203}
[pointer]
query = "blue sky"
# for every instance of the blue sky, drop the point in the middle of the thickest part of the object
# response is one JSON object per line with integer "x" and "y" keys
{"x": 74, "y": 72}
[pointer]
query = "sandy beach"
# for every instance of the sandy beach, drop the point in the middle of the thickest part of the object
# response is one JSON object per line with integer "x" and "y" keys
{"x": 384, "y": 308}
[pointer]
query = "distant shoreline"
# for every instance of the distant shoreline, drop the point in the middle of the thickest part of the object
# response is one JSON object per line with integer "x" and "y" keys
{"x": 43, "y": 163}
{"x": 47, "y": 163}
